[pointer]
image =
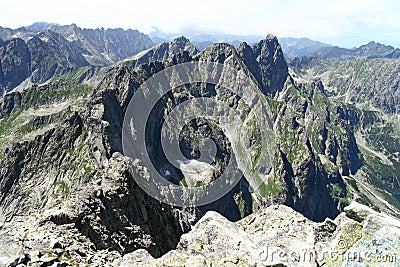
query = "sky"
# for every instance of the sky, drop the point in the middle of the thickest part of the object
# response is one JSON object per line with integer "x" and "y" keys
{"x": 346, "y": 23}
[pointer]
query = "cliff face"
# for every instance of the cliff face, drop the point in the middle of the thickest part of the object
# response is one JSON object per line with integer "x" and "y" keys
{"x": 15, "y": 63}
{"x": 266, "y": 62}
{"x": 364, "y": 92}
{"x": 51, "y": 175}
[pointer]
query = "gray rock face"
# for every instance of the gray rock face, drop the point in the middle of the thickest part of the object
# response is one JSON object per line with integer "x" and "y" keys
{"x": 267, "y": 63}
{"x": 43, "y": 57}
{"x": 163, "y": 52}
{"x": 15, "y": 63}
{"x": 66, "y": 192}
{"x": 50, "y": 54}
{"x": 279, "y": 236}
{"x": 105, "y": 46}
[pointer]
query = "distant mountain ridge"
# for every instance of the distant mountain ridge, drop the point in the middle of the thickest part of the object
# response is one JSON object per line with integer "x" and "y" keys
{"x": 43, "y": 50}
{"x": 292, "y": 47}
{"x": 369, "y": 51}
{"x": 100, "y": 46}
{"x": 297, "y": 47}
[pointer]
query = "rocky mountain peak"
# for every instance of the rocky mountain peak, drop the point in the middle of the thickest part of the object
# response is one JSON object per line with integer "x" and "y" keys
{"x": 40, "y": 26}
{"x": 266, "y": 62}
{"x": 182, "y": 44}
{"x": 370, "y": 50}
{"x": 271, "y": 37}
{"x": 218, "y": 52}
{"x": 54, "y": 50}
{"x": 373, "y": 45}
{"x": 374, "y": 49}
{"x": 269, "y": 48}
{"x": 181, "y": 39}
{"x": 163, "y": 52}
{"x": 51, "y": 52}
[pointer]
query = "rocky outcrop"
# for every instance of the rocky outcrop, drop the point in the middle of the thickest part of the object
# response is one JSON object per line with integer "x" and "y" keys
{"x": 51, "y": 167}
{"x": 279, "y": 236}
{"x": 266, "y": 62}
{"x": 163, "y": 52}
{"x": 104, "y": 218}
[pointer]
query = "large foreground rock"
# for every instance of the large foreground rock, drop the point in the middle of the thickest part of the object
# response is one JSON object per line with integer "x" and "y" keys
{"x": 280, "y": 236}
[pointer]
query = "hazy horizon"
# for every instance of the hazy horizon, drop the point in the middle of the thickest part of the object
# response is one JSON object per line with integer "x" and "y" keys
{"x": 342, "y": 23}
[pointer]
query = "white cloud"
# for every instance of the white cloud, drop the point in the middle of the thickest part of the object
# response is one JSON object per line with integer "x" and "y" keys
{"x": 324, "y": 20}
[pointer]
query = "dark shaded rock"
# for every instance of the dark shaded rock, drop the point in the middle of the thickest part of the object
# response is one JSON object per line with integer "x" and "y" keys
{"x": 15, "y": 63}
{"x": 267, "y": 63}
{"x": 10, "y": 103}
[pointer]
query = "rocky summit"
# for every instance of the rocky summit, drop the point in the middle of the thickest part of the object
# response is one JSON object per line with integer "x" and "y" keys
{"x": 279, "y": 236}
{"x": 316, "y": 143}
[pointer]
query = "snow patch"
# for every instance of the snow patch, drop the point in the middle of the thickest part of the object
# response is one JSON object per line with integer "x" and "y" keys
{"x": 196, "y": 171}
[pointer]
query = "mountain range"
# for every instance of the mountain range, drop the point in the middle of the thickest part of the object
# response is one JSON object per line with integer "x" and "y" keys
{"x": 370, "y": 51}
{"x": 37, "y": 53}
{"x": 70, "y": 196}
{"x": 292, "y": 47}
